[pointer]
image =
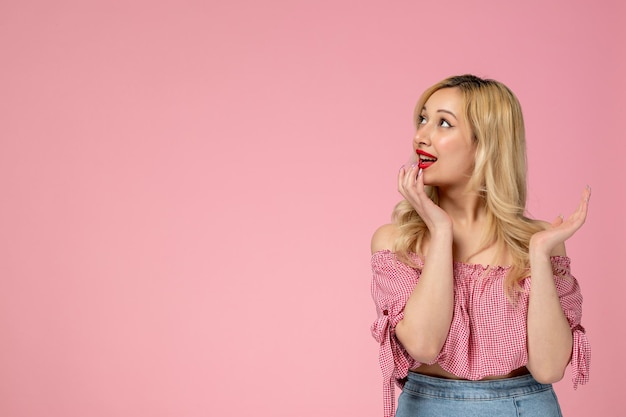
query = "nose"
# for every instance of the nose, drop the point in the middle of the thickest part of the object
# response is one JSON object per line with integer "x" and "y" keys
{"x": 422, "y": 136}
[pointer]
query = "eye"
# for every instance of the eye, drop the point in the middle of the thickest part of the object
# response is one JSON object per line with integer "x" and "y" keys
{"x": 444, "y": 123}
{"x": 421, "y": 120}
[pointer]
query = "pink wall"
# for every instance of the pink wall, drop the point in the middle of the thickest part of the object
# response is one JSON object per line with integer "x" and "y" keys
{"x": 189, "y": 189}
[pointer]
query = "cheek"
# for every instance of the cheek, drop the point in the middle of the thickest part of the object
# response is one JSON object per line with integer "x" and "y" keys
{"x": 448, "y": 145}
{"x": 460, "y": 156}
{"x": 455, "y": 147}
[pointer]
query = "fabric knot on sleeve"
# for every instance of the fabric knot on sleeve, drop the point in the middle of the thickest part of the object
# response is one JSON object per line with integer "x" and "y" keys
{"x": 572, "y": 303}
{"x": 380, "y": 327}
{"x": 392, "y": 284}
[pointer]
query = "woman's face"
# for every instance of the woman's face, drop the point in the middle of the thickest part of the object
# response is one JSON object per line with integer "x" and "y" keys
{"x": 443, "y": 141}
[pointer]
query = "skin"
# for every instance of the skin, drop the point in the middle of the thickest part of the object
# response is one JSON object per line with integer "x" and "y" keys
{"x": 454, "y": 227}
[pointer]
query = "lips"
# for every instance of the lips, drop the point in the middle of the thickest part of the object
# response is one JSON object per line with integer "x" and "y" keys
{"x": 425, "y": 159}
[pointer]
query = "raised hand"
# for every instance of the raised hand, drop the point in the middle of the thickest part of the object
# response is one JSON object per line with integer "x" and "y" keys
{"x": 411, "y": 186}
{"x": 561, "y": 229}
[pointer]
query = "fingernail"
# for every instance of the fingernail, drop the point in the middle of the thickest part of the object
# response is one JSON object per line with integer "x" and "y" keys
{"x": 419, "y": 172}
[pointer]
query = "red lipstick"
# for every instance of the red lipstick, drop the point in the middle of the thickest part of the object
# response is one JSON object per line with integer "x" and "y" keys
{"x": 425, "y": 159}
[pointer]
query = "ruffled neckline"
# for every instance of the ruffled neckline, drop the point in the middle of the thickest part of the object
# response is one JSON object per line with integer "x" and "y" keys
{"x": 557, "y": 261}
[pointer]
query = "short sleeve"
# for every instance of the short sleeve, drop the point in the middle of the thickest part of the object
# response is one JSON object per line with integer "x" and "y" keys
{"x": 392, "y": 284}
{"x": 571, "y": 302}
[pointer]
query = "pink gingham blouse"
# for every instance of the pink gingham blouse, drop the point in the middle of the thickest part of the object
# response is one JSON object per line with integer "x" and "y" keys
{"x": 488, "y": 333}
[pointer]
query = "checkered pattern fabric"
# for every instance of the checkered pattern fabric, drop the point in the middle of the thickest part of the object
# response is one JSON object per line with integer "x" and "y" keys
{"x": 488, "y": 333}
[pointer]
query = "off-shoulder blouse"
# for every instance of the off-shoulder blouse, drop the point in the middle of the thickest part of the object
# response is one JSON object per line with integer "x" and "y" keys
{"x": 488, "y": 332}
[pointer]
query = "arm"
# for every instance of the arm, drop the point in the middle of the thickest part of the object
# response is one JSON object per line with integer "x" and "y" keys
{"x": 549, "y": 333}
{"x": 428, "y": 311}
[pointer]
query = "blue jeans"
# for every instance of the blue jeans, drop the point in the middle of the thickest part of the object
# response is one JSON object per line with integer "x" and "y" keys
{"x": 425, "y": 396}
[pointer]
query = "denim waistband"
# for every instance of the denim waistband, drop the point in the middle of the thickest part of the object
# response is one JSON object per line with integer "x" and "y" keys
{"x": 473, "y": 390}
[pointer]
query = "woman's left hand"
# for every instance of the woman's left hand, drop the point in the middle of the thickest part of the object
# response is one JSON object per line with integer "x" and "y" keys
{"x": 561, "y": 229}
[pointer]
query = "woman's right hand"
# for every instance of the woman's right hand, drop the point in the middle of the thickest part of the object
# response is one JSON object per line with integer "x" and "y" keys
{"x": 411, "y": 186}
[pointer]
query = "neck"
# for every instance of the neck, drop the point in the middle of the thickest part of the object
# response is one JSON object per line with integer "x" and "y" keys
{"x": 469, "y": 216}
{"x": 465, "y": 208}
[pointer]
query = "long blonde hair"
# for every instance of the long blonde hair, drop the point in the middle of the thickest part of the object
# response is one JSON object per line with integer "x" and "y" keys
{"x": 495, "y": 117}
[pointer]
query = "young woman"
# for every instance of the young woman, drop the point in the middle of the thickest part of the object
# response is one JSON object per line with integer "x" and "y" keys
{"x": 478, "y": 313}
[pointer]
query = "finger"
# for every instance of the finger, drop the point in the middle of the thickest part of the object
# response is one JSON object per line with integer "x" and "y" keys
{"x": 583, "y": 207}
{"x": 404, "y": 177}
{"x": 577, "y": 219}
{"x": 419, "y": 183}
{"x": 418, "y": 186}
{"x": 413, "y": 188}
{"x": 558, "y": 221}
{"x": 584, "y": 198}
{"x": 587, "y": 193}
{"x": 401, "y": 174}
{"x": 410, "y": 177}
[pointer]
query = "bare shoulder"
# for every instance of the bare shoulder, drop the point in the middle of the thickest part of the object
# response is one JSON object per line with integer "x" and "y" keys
{"x": 384, "y": 237}
{"x": 559, "y": 250}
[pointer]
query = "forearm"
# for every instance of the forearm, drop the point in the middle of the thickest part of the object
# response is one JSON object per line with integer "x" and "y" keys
{"x": 428, "y": 311}
{"x": 549, "y": 333}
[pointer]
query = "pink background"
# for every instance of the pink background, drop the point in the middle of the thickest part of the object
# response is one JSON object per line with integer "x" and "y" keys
{"x": 189, "y": 189}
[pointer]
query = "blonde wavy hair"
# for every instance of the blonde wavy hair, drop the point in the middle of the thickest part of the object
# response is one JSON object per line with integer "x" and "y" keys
{"x": 495, "y": 117}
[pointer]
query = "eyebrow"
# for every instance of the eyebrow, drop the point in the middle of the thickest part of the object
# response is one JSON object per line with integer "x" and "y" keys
{"x": 443, "y": 111}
